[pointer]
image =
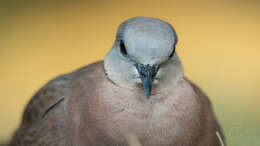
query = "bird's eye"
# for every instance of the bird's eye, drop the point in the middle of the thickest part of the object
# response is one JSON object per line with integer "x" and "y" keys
{"x": 122, "y": 48}
{"x": 172, "y": 53}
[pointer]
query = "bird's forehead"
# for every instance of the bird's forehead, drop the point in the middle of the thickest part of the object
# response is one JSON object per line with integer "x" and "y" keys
{"x": 149, "y": 40}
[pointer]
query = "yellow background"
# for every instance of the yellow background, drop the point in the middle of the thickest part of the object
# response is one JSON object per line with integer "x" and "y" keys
{"x": 218, "y": 44}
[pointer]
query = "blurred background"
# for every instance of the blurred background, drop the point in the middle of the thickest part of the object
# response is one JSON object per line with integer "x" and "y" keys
{"x": 218, "y": 44}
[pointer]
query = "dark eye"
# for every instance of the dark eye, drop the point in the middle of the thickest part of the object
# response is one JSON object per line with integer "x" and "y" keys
{"x": 172, "y": 53}
{"x": 122, "y": 48}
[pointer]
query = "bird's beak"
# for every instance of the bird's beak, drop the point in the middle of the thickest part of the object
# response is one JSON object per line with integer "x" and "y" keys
{"x": 147, "y": 74}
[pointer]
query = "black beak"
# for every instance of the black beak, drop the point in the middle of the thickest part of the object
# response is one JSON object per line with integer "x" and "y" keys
{"x": 147, "y": 74}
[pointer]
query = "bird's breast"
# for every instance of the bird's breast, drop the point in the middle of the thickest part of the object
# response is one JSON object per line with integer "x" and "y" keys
{"x": 152, "y": 123}
{"x": 164, "y": 119}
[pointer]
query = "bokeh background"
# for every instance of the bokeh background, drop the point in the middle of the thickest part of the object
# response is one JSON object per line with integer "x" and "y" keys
{"x": 218, "y": 44}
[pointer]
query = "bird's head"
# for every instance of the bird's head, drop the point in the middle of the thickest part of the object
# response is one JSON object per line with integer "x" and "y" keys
{"x": 144, "y": 54}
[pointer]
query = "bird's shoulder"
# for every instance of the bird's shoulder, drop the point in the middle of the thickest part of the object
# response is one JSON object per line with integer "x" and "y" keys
{"x": 199, "y": 94}
{"x": 208, "y": 113}
{"x": 45, "y": 99}
{"x": 54, "y": 92}
{"x": 34, "y": 124}
{"x": 46, "y": 110}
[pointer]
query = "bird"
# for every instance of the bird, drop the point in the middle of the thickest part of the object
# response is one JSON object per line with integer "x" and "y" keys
{"x": 137, "y": 95}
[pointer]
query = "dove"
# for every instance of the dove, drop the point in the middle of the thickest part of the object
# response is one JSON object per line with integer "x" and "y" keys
{"x": 137, "y": 96}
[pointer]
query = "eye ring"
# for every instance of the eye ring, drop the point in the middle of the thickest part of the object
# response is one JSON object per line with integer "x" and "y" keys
{"x": 172, "y": 53}
{"x": 122, "y": 48}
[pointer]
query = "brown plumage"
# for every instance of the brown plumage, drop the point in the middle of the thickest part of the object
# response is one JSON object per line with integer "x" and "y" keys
{"x": 89, "y": 108}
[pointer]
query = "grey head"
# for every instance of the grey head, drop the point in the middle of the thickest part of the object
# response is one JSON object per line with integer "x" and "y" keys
{"x": 144, "y": 54}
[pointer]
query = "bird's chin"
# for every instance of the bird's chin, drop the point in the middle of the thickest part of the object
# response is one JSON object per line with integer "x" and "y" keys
{"x": 139, "y": 82}
{"x": 155, "y": 81}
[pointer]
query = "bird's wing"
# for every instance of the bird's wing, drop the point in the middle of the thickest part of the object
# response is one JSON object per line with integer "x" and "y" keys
{"x": 218, "y": 133}
{"x": 43, "y": 114}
